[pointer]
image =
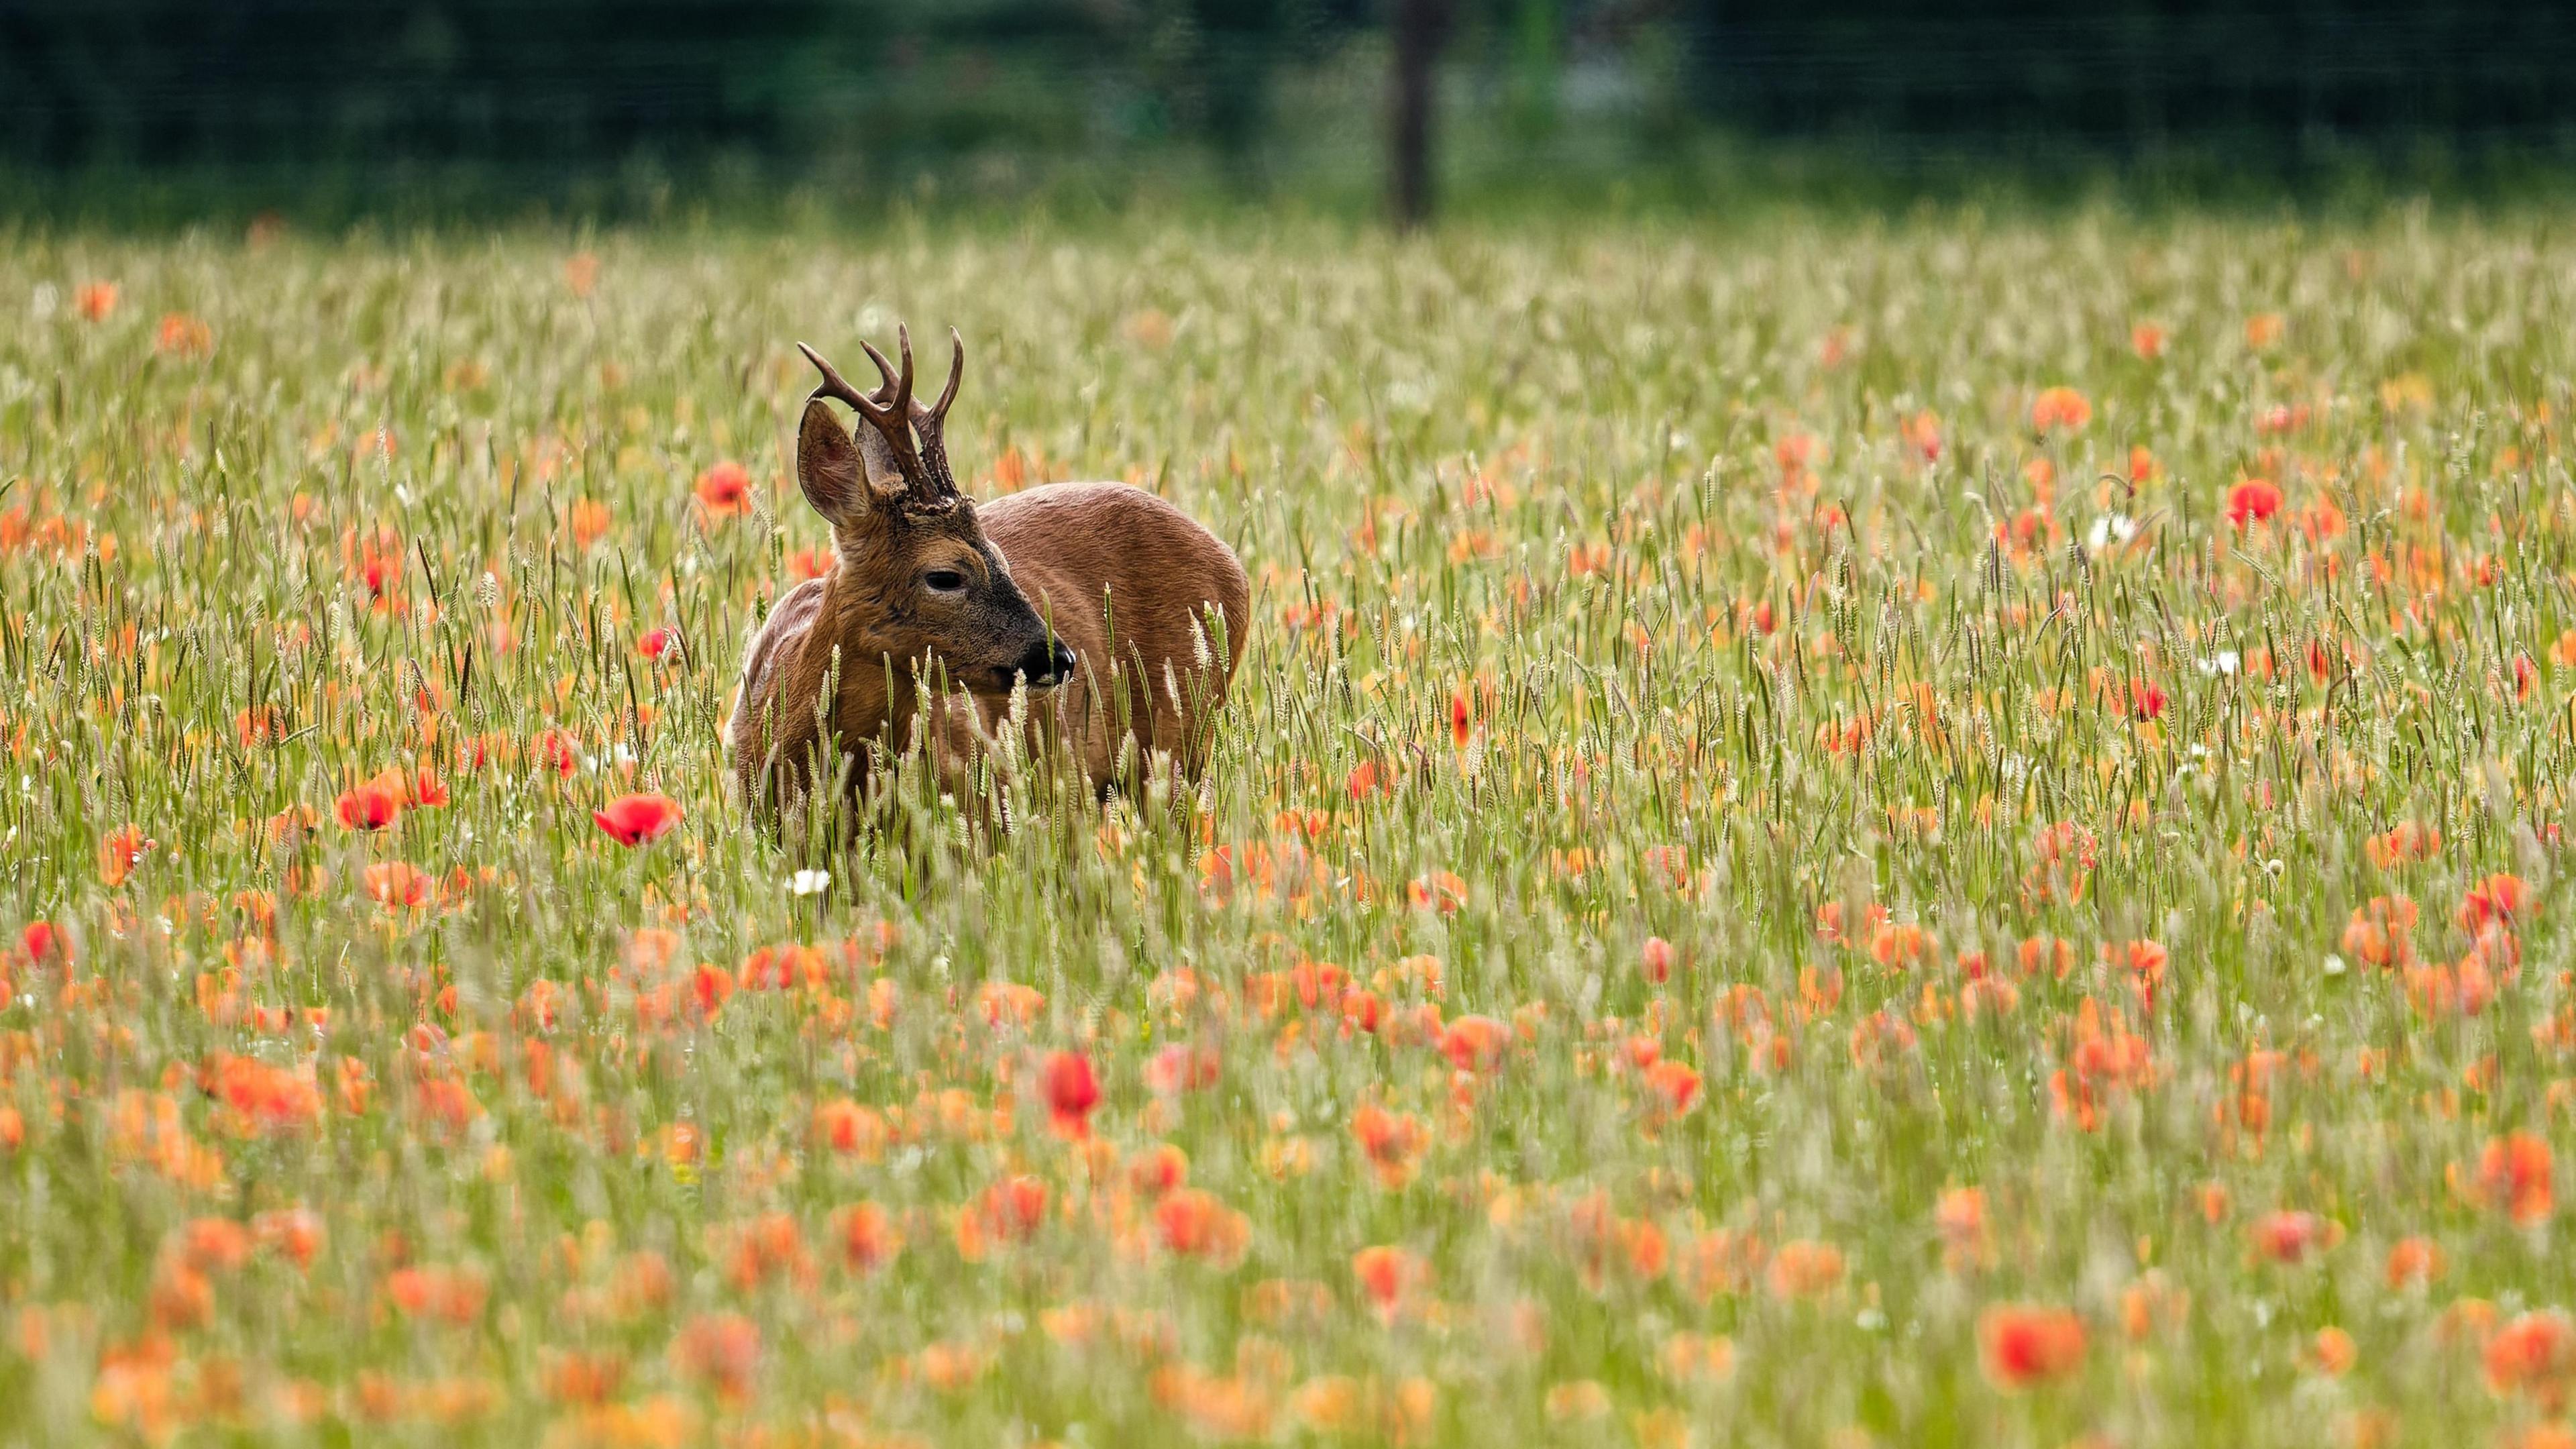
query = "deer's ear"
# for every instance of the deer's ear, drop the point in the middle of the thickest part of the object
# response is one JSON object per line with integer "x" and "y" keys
{"x": 885, "y": 475}
{"x": 829, "y": 466}
{"x": 844, "y": 478}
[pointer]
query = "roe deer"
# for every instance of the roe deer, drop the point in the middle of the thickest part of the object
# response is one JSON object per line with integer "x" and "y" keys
{"x": 1122, "y": 616}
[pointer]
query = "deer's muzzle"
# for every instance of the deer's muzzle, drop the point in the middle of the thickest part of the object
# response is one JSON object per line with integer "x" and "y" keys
{"x": 1047, "y": 663}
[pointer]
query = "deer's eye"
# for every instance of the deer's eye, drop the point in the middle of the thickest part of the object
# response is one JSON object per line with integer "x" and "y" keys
{"x": 944, "y": 581}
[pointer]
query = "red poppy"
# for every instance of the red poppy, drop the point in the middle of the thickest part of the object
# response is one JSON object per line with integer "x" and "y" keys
{"x": 721, "y": 1350}
{"x": 2414, "y": 1260}
{"x": 1473, "y": 1043}
{"x": 2252, "y": 501}
{"x": 1439, "y": 891}
{"x": 1675, "y": 1085}
{"x": 1391, "y": 1141}
{"x": 1072, "y": 1091}
{"x": 1656, "y": 960}
{"x": 120, "y": 853}
{"x": 182, "y": 335}
{"x": 1016, "y": 1206}
{"x": 44, "y": 941}
{"x": 2535, "y": 1354}
{"x": 1805, "y": 1268}
{"x": 296, "y": 1232}
{"x": 2514, "y": 1174}
{"x": 379, "y": 571}
{"x": 1182, "y": 1067}
{"x": 456, "y": 1295}
{"x": 1361, "y": 1010}
{"x": 710, "y": 986}
{"x": 725, "y": 489}
{"x": 636, "y": 819}
{"x": 1158, "y": 1169}
{"x": 2500, "y": 898}
{"x": 1388, "y": 1276}
{"x": 869, "y": 1237}
{"x": 424, "y": 789}
{"x": 656, "y": 642}
{"x": 263, "y": 1098}
{"x": 1194, "y": 1224}
{"x": 370, "y": 806}
{"x": 2293, "y": 1237}
{"x": 2023, "y": 1344}
{"x": 560, "y": 751}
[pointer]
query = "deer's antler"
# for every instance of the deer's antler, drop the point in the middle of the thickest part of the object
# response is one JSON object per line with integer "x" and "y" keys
{"x": 939, "y": 485}
{"x": 896, "y": 414}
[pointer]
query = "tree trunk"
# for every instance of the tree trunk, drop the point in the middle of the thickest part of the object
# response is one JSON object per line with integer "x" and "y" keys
{"x": 1421, "y": 29}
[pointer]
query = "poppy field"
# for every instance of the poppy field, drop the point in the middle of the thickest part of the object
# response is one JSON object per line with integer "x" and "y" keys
{"x": 1936, "y": 833}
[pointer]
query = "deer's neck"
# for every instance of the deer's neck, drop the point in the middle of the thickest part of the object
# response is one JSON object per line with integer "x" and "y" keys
{"x": 840, "y": 683}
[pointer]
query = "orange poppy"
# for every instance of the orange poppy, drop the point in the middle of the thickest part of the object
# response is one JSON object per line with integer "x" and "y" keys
{"x": 2060, "y": 409}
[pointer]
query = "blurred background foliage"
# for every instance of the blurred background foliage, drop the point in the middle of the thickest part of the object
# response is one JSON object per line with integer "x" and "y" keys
{"x": 131, "y": 108}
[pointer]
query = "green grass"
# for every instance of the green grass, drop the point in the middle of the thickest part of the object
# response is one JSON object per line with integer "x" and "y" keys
{"x": 1539, "y": 479}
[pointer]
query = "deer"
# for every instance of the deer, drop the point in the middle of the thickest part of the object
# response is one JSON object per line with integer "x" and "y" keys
{"x": 1120, "y": 616}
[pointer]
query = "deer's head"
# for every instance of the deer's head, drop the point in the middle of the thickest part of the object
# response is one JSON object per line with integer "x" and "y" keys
{"x": 917, "y": 579}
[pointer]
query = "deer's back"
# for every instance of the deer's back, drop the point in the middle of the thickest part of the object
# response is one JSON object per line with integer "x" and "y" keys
{"x": 1124, "y": 575}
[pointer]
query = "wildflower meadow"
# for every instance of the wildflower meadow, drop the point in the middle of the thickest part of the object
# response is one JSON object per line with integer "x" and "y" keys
{"x": 1944, "y": 832}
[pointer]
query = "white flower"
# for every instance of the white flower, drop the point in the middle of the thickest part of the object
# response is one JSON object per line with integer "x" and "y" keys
{"x": 2110, "y": 526}
{"x": 2223, "y": 662}
{"x": 810, "y": 882}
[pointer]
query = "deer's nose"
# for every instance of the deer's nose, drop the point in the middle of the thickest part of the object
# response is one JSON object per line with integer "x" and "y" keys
{"x": 1047, "y": 662}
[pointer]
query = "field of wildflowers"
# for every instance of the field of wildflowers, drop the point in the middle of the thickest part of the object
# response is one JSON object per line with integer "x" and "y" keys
{"x": 1935, "y": 834}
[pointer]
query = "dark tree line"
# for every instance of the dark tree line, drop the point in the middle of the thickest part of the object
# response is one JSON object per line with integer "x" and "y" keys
{"x": 179, "y": 82}
{"x": 277, "y": 85}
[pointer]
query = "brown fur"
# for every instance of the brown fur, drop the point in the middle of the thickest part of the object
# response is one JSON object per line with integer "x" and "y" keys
{"x": 1119, "y": 577}
{"x": 1102, "y": 560}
